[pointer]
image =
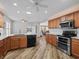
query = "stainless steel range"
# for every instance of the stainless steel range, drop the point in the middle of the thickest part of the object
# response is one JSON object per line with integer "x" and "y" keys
{"x": 64, "y": 44}
{"x": 64, "y": 41}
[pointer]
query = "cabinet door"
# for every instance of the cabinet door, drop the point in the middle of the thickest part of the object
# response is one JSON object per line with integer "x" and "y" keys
{"x": 8, "y": 43}
{"x": 47, "y": 38}
{"x": 23, "y": 42}
{"x": 50, "y": 23}
{"x": 14, "y": 43}
{"x": 57, "y": 22}
{"x": 1, "y": 48}
{"x": 76, "y": 18}
{"x": 75, "y": 48}
{"x": 54, "y": 40}
{"x": 5, "y": 46}
{"x": 1, "y": 21}
{"x": 70, "y": 16}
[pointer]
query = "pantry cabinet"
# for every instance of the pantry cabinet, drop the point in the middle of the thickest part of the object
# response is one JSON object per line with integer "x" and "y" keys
{"x": 75, "y": 47}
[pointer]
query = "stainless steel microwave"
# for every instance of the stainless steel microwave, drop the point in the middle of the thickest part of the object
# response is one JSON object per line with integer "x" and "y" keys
{"x": 67, "y": 24}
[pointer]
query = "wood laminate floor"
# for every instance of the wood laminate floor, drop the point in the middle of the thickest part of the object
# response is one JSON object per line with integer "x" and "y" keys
{"x": 43, "y": 50}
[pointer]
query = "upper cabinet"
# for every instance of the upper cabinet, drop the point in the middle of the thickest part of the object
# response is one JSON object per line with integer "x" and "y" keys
{"x": 70, "y": 16}
{"x": 50, "y": 24}
{"x": 54, "y": 23}
{"x": 76, "y": 18}
{"x": 1, "y": 21}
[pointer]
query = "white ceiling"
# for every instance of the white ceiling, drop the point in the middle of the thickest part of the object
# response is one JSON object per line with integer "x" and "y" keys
{"x": 54, "y": 6}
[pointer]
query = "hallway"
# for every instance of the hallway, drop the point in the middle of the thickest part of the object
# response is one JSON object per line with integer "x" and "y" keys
{"x": 41, "y": 51}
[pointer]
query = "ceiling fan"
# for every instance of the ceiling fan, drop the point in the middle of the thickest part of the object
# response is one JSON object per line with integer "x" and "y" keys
{"x": 37, "y": 4}
{"x": 23, "y": 20}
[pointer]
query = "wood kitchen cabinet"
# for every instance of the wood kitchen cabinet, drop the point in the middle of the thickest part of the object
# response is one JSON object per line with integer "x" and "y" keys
{"x": 51, "y": 39}
{"x": 70, "y": 16}
{"x": 11, "y": 43}
{"x": 54, "y": 23}
{"x": 54, "y": 40}
{"x": 50, "y": 24}
{"x": 76, "y": 19}
{"x": 1, "y": 21}
{"x": 14, "y": 42}
{"x": 7, "y": 43}
{"x": 75, "y": 47}
{"x": 57, "y": 22}
{"x": 23, "y": 41}
{"x": 1, "y": 49}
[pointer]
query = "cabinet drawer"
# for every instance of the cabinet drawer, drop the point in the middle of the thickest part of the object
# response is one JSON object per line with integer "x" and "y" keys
{"x": 75, "y": 41}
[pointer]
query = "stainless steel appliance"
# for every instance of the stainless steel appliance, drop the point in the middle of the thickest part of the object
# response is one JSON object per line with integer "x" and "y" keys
{"x": 67, "y": 24}
{"x": 31, "y": 40}
{"x": 64, "y": 41}
{"x": 64, "y": 44}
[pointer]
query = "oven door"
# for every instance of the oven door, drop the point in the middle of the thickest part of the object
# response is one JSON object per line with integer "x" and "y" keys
{"x": 64, "y": 44}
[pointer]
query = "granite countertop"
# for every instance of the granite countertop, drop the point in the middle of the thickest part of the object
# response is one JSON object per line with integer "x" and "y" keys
{"x": 76, "y": 37}
{"x": 4, "y": 36}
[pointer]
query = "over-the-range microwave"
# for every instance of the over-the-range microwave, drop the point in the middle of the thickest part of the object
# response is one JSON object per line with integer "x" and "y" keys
{"x": 67, "y": 24}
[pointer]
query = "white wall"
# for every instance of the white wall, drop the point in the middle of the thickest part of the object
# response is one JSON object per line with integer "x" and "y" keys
{"x": 44, "y": 23}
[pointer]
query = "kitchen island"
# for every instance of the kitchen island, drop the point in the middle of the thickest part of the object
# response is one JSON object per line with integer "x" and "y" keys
{"x": 16, "y": 42}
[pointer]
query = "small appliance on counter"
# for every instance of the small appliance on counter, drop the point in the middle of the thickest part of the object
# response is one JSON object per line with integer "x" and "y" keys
{"x": 67, "y": 24}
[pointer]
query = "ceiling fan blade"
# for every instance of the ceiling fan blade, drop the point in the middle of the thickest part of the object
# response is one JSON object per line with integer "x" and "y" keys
{"x": 41, "y": 5}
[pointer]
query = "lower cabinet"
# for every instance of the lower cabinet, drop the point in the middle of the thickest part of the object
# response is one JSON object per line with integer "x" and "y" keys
{"x": 51, "y": 39}
{"x": 1, "y": 49}
{"x": 14, "y": 42}
{"x": 75, "y": 48}
{"x": 23, "y": 41}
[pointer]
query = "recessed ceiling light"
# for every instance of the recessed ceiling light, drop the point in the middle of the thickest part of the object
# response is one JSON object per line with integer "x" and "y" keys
{"x": 46, "y": 12}
{"x": 18, "y": 12}
{"x": 28, "y": 12}
{"x": 14, "y": 4}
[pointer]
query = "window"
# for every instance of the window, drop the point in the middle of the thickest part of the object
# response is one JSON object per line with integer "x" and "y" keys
{"x": 8, "y": 27}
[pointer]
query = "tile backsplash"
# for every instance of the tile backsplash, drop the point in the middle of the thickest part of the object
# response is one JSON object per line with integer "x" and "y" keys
{"x": 56, "y": 31}
{"x": 60, "y": 31}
